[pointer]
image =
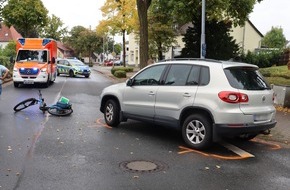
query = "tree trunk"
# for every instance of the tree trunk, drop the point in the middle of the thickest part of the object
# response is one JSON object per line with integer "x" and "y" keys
{"x": 142, "y": 6}
{"x": 160, "y": 54}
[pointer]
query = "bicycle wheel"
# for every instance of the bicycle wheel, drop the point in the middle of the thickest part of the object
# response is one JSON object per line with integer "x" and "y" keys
{"x": 59, "y": 112}
{"x": 25, "y": 104}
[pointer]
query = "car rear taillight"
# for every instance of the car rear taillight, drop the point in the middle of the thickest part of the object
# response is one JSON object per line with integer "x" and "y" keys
{"x": 233, "y": 97}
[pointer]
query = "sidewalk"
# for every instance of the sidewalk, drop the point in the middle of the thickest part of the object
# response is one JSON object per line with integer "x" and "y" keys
{"x": 280, "y": 133}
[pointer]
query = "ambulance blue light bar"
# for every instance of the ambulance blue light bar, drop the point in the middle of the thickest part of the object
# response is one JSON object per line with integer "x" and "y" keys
{"x": 45, "y": 41}
{"x": 21, "y": 41}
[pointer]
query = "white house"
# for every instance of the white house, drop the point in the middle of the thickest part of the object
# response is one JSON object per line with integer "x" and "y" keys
{"x": 248, "y": 37}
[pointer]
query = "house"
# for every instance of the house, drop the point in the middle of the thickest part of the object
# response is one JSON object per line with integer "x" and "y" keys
{"x": 248, "y": 37}
{"x": 10, "y": 34}
{"x": 7, "y": 35}
{"x": 64, "y": 51}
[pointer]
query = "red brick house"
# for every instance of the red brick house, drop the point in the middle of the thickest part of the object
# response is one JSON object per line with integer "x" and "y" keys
{"x": 7, "y": 35}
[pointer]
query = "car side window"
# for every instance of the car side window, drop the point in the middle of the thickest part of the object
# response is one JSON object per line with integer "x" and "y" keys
{"x": 177, "y": 75}
{"x": 205, "y": 76}
{"x": 150, "y": 76}
{"x": 193, "y": 78}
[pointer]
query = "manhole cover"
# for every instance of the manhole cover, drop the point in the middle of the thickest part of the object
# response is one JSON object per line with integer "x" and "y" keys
{"x": 142, "y": 166}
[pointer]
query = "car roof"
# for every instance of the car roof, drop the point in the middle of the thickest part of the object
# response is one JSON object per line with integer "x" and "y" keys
{"x": 206, "y": 62}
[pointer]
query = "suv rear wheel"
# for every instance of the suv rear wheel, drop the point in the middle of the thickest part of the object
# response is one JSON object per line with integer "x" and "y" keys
{"x": 111, "y": 113}
{"x": 197, "y": 131}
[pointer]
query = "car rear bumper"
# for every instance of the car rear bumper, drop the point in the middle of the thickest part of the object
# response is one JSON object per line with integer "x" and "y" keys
{"x": 236, "y": 129}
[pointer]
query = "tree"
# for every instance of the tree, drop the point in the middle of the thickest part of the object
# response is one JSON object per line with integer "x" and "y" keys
{"x": 118, "y": 48}
{"x": 73, "y": 39}
{"x": 27, "y": 16}
{"x": 89, "y": 42}
{"x": 83, "y": 41}
{"x": 274, "y": 38}
{"x": 1, "y": 8}
{"x": 54, "y": 29}
{"x": 119, "y": 17}
{"x": 142, "y": 7}
{"x": 222, "y": 45}
{"x": 236, "y": 11}
{"x": 233, "y": 12}
{"x": 161, "y": 31}
{"x": 9, "y": 50}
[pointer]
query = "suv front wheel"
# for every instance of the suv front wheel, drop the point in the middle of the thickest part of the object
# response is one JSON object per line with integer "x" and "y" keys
{"x": 197, "y": 131}
{"x": 111, "y": 113}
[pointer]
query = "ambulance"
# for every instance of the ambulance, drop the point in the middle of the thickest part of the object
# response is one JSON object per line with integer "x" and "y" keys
{"x": 35, "y": 61}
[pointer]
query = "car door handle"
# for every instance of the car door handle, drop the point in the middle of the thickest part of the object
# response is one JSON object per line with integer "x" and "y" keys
{"x": 186, "y": 94}
{"x": 151, "y": 93}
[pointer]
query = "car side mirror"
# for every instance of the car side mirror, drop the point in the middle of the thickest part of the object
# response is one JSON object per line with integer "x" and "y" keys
{"x": 53, "y": 60}
{"x": 129, "y": 82}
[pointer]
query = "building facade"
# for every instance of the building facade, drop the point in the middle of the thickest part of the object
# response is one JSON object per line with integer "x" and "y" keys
{"x": 248, "y": 37}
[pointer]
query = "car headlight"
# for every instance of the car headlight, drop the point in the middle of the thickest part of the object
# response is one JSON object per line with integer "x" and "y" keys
{"x": 43, "y": 69}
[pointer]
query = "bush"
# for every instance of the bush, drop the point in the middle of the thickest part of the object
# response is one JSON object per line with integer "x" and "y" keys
{"x": 6, "y": 62}
{"x": 120, "y": 74}
{"x": 126, "y": 69}
{"x": 262, "y": 59}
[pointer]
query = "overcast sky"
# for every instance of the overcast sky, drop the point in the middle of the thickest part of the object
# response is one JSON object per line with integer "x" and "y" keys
{"x": 87, "y": 13}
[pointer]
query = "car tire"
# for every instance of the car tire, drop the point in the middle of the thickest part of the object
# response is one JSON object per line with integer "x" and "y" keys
{"x": 16, "y": 84}
{"x": 71, "y": 73}
{"x": 87, "y": 76}
{"x": 57, "y": 73}
{"x": 197, "y": 131}
{"x": 112, "y": 113}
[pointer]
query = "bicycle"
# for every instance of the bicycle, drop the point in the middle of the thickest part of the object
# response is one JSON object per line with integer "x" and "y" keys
{"x": 62, "y": 108}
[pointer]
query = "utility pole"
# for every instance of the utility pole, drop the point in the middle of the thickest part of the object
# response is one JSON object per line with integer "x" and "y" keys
{"x": 202, "y": 38}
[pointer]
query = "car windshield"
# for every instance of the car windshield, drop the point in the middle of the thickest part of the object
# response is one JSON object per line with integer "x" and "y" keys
{"x": 76, "y": 63}
{"x": 246, "y": 78}
{"x": 32, "y": 55}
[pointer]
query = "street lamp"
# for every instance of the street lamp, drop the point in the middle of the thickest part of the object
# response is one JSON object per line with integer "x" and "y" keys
{"x": 202, "y": 37}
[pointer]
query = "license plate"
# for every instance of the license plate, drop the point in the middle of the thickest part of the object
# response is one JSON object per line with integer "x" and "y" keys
{"x": 28, "y": 82}
{"x": 261, "y": 117}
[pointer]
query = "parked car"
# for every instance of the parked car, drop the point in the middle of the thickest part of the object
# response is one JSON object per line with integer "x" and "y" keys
{"x": 108, "y": 63}
{"x": 72, "y": 67}
{"x": 206, "y": 99}
{"x": 117, "y": 63}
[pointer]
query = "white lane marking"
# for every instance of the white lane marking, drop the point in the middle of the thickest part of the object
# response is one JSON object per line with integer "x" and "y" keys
{"x": 237, "y": 150}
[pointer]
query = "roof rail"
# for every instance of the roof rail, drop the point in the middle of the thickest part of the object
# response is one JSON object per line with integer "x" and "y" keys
{"x": 191, "y": 59}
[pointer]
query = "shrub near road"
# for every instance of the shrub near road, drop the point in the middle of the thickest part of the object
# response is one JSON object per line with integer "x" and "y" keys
{"x": 278, "y": 75}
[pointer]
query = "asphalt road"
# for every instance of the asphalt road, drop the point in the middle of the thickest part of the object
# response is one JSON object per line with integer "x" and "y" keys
{"x": 40, "y": 151}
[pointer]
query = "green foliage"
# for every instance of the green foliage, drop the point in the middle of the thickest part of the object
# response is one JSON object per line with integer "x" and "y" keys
{"x": 83, "y": 41}
{"x": 1, "y": 8}
{"x": 6, "y": 62}
{"x": 274, "y": 38}
{"x": 278, "y": 75}
{"x": 9, "y": 50}
{"x": 262, "y": 59}
{"x": 54, "y": 29}
{"x": 27, "y": 16}
{"x": 235, "y": 11}
{"x": 219, "y": 43}
{"x": 120, "y": 74}
{"x": 126, "y": 69}
{"x": 161, "y": 33}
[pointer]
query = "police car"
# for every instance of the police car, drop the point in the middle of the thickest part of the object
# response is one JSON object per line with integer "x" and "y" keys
{"x": 72, "y": 67}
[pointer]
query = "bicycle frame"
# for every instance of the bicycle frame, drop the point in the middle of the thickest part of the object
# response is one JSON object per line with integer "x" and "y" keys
{"x": 58, "y": 109}
{"x": 40, "y": 101}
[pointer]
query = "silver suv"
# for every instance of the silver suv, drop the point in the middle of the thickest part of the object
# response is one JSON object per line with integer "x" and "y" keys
{"x": 206, "y": 99}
